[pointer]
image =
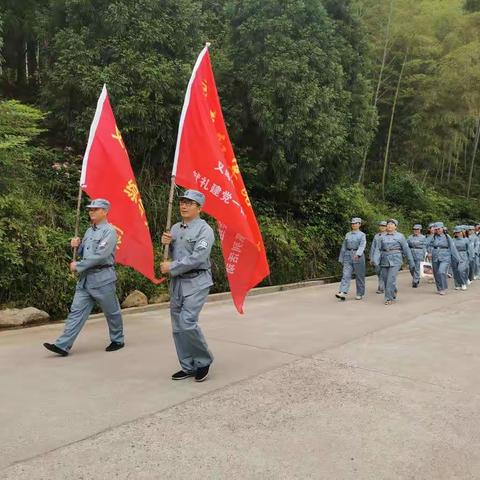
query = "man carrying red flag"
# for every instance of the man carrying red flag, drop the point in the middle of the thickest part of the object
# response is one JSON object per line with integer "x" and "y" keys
{"x": 191, "y": 242}
{"x": 96, "y": 282}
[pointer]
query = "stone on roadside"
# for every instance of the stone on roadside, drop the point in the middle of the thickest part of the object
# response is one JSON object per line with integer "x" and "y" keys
{"x": 160, "y": 298}
{"x": 135, "y": 299}
{"x": 17, "y": 317}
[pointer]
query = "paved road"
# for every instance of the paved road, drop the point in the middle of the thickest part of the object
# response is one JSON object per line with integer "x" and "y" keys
{"x": 303, "y": 387}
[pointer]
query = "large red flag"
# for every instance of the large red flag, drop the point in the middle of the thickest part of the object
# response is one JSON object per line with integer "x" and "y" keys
{"x": 204, "y": 160}
{"x": 107, "y": 173}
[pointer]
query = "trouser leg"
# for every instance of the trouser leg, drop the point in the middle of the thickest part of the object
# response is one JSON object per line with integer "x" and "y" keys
{"x": 416, "y": 272}
{"x": 106, "y": 297}
{"x": 391, "y": 282}
{"x": 436, "y": 274}
{"x": 380, "y": 285}
{"x": 463, "y": 273}
{"x": 359, "y": 269}
{"x": 456, "y": 266}
{"x": 80, "y": 309}
{"x": 346, "y": 276}
{"x": 442, "y": 275}
{"x": 190, "y": 343}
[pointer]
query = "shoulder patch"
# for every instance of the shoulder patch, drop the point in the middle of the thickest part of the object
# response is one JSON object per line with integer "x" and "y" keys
{"x": 203, "y": 244}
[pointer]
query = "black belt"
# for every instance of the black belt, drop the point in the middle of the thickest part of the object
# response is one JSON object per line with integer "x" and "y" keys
{"x": 352, "y": 249}
{"x": 442, "y": 248}
{"x": 193, "y": 272}
{"x": 99, "y": 267}
{"x": 461, "y": 250}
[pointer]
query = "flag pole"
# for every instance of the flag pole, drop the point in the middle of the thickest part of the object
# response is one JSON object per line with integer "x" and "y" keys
{"x": 169, "y": 216}
{"x": 77, "y": 220}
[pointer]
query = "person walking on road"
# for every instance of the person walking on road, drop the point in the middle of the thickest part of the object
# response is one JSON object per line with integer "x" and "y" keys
{"x": 388, "y": 255}
{"x": 96, "y": 282}
{"x": 382, "y": 226}
{"x": 353, "y": 260}
{"x": 465, "y": 252}
{"x": 418, "y": 246}
{"x": 442, "y": 252}
{"x": 191, "y": 242}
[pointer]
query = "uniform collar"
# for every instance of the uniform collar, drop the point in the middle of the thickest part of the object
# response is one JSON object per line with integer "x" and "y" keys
{"x": 189, "y": 224}
{"x": 99, "y": 226}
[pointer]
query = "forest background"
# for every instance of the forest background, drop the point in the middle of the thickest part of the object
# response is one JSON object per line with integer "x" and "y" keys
{"x": 335, "y": 108}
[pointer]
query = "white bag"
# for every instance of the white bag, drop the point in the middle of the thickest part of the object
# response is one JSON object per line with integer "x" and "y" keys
{"x": 426, "y": 270}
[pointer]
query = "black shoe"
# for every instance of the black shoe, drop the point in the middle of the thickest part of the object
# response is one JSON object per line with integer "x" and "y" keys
{"x": 53, "y": 348}
{"x": 181, "y": 375}
{"x": 114, "y": 346}
{"x": 414, "y": 285}
{"x": 202, "y": 373}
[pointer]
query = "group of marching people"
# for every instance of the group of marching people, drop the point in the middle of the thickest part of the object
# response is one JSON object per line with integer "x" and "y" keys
{"x": 458, "y": 256}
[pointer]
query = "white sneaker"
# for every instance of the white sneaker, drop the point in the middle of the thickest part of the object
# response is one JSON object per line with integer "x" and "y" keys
{"x": 469, "y": 282}
{"x": 457, "y": 288}
{"x": 358, "y": 297}
{"x": 464, "y": 287}
{"x": 442, "y": 292}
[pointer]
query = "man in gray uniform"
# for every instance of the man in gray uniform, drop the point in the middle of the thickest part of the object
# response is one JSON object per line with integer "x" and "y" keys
{"x": 96, "y": 282}
{"x": 191, "y": 242}
{"x": 442, "y": 251}
{"x": 418, "y": 246}
{"x": 389, "y": 253}
{"x": 382, "y": 226}
{"x": 353, "y": 260}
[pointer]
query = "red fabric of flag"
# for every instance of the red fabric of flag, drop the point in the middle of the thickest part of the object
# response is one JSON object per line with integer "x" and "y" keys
{"x": 204, "y": 161}
{"x": 107, "y": 173}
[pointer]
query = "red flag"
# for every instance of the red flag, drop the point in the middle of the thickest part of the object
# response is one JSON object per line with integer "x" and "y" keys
{"x": 107, "y": 173}
{"x": 204, "y": 160}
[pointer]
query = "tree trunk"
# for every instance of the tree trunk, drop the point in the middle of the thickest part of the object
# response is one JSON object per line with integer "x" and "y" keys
{"x": 377, "y": 91}
{"x": 390, "y": 127}
{"x": 474, "y": 154}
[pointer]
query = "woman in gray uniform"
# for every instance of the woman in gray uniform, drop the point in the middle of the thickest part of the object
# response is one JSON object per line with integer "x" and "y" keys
{"x": 353, "y": 260}
{"x": 389, "y": 252}
{"x": 418, "y": 245}
{"x": 442, "y": 252}
{"x": 464, "y": 248}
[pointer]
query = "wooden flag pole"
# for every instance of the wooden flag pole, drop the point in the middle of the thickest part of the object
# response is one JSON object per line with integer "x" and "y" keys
{"x": 77, "y": 221}
{"x": 169, "y": 216}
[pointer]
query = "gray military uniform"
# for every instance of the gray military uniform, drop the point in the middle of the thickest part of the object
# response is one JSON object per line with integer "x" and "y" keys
{"x": 388, "y": 254}
{"x": 353, "y": 245}
{"x": 381, "y": 285}
{"x": 418, "y": 247}
{"x": 460, "y": 268}
{"x": 96, "y": 283}
{"x": 190, "y": 283}
{"x": 443, "y": 251}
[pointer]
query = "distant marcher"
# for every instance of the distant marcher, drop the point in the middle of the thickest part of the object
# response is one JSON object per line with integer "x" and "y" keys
{"x": 418, "y": 246}
{"x": 353, "y": 260}
{"x": 382, "y": 226}
{"x": 389, "y": 253}
{"x": 442, "y": 252}
{"x": 191, "y": 242}
{"x": 96, "y": 282}
{"x": 465, "y": 252}
{"x": 474, "y": 242}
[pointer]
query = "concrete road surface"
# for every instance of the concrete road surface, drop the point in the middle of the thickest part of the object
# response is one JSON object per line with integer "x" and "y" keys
{"x": 303, "y": 387}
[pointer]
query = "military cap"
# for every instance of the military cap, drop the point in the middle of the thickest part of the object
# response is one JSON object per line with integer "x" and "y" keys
{"x": 439, "y": 225}
{"x": 417, "y": 226}
{"x": 392, "y": 220}
{"x": 356, "y": 220}
{"x": 99, "y": 203}
{"x": 194, "y": 195}
{"x": 458, "y": 229}
{"x": 383, "y": 223}
{"x": 430, "y": 225}
{"x": 470, "y": 227}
